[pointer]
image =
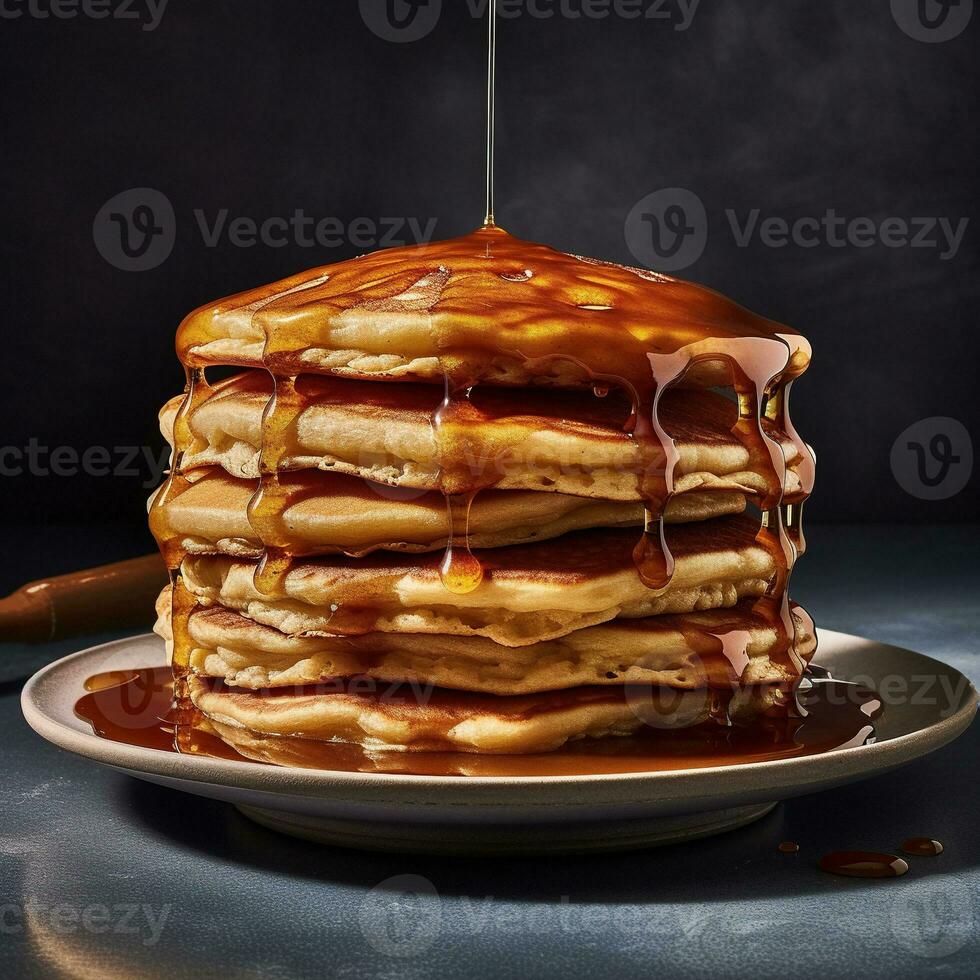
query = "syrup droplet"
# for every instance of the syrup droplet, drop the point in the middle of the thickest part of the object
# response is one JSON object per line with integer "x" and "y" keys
{"x": 863, "y": 864}
{"x": 460, "y": 571}
{"x": 524, "y": 276}
{"x": 788, "y": 847}
{"x": 922, "y": 846}
{"x": 653, "y": 560}
{"x": 600, "y": 391}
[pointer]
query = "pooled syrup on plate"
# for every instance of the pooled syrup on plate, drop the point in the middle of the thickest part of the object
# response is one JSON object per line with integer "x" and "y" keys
{"x": 138, "y": 708}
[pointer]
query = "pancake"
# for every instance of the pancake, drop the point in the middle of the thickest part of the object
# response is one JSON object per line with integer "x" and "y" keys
{"x": 716, "y": 648}
{"x": 484, "y": 307}
{"x": 529, "y": 593}
{"x": 411, "y": 718}
{"x": 330, "y": 513}
{"x": 564, "y": 442}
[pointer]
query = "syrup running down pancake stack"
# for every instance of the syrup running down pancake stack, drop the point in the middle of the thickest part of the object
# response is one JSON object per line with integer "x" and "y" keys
{"x": 482, "y": 496}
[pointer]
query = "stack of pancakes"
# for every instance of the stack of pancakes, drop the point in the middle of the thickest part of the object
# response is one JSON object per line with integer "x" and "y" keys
{"x": 456, "y": 499}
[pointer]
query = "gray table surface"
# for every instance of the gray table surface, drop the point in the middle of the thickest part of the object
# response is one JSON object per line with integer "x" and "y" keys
{"x": 104, "y": 876}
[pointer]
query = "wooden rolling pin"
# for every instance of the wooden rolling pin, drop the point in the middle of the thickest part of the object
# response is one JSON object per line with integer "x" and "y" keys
{"x": 114, "y": 596}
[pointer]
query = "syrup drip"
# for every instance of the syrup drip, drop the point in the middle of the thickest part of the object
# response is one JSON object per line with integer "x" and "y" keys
{"x": 922, "y": 847}
{"x": 788, "y": 847}
{"x": 268, "y": 505}
{"x": 196, "y": 391}
{"x": 863, "y": 864}
{"x": 138, "y": 707}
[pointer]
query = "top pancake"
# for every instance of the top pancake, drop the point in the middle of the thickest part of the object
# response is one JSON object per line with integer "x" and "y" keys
{"x": 513, "y": 440}
{"x": 485, "y": 307}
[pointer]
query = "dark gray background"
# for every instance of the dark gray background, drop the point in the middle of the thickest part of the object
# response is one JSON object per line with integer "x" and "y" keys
{"x": 262, "y": 108}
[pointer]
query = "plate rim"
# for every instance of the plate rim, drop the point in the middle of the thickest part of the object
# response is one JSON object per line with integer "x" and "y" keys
{"x": 256, "y": 776}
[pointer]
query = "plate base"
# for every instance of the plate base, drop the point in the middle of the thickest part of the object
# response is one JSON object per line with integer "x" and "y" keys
{"x": 501, "y": 839}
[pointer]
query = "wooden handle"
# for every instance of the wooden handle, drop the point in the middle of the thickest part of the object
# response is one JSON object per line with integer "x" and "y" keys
{"x": 108, "y": 597}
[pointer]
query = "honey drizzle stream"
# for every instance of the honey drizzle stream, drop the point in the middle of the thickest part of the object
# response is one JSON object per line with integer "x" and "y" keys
{"x": 491, "y": 108}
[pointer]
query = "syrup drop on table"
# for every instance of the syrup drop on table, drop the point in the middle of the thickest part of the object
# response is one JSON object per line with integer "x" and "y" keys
{"x": 137, "y": 708}
{"x": 788, "y": 847}
{"x": 922, "y": 846}
{"x": 863, "y": 864}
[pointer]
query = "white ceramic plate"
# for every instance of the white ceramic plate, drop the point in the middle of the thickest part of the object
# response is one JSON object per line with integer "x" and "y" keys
{"x": 928, "y": 705}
